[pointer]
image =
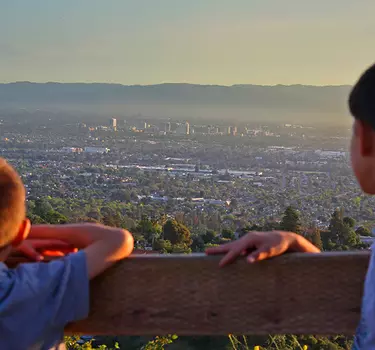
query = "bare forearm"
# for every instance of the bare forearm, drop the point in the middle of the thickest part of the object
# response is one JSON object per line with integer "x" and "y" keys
{"x": 103, "y": 246}
{"x": 302, "y": 245}
{"x": 78, "y": 235}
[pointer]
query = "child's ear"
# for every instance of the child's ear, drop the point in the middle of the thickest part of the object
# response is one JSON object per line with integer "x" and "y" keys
{"x": 23, "y": 232}
{"x": 365, "y": 135}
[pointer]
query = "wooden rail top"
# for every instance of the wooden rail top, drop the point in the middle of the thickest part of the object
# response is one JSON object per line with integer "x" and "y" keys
{"x": 191, "y": 295}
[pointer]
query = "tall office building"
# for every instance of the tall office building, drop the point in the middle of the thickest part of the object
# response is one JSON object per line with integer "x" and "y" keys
{"x": 114, "y": 124}
{"x": 187, "y": 126}
{"x": 168, "y": 127}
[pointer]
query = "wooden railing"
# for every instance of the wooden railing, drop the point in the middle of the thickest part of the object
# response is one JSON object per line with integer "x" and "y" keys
{"x": 191, "y": 295}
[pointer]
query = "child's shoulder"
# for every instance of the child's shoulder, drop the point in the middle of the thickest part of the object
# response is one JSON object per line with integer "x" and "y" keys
{"x": 60, "y": 283}
{"x": 41, "y": 298}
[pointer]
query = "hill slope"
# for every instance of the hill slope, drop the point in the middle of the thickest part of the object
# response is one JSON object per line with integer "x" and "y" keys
{"x": 297, "y": 103}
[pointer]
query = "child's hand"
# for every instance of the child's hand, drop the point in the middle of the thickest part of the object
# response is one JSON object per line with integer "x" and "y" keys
{"x": 37, "y": 249}
{"x": 262, "y": 245}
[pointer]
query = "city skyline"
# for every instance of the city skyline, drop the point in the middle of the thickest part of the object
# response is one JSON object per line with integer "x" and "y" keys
{"x": 241, "y": 42}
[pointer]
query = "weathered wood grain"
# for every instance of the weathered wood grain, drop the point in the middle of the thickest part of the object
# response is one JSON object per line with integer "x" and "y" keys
{"x": 190, "y": 295}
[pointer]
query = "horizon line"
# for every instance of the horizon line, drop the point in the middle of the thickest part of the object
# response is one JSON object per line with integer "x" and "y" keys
{"x": 172, "y": 83}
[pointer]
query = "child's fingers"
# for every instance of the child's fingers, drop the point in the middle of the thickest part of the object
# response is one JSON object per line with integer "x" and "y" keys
{"x": 57, "y": 251}
{"x": 43, "y": 243}
{"x": 54, "y": 246}
{"x": 258, "y": 255}
{"x": 30, "y": 253}
{"x": 50, "y": 253}
{"x": 247, "y": 251}
{"x": 229, "y": 257}
{"x": 218, "y": 250}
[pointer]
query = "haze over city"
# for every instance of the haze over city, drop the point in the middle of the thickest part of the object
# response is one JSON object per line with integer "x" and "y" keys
{"x": 202, "y": 42}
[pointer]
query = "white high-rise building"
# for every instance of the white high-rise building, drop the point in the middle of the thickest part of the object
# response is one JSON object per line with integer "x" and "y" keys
{"x": 114, "y": 124}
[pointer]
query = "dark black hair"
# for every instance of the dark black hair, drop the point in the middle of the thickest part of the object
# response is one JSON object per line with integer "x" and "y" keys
{"x": 362, "y": 98}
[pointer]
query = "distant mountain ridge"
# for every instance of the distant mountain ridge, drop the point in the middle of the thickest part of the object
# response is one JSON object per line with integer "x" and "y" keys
{"x": 296, "y": 102}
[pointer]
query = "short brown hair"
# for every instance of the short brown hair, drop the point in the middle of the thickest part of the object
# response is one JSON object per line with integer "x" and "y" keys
{"x": 12, "y": 203}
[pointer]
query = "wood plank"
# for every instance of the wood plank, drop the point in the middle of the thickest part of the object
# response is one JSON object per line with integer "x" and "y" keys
{"x": 190, "y": 295}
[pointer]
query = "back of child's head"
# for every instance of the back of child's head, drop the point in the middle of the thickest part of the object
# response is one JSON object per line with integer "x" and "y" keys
{"x": 12, "y": 203}
{"x": 362, "y": 146}
{"x": 362, "y": 98}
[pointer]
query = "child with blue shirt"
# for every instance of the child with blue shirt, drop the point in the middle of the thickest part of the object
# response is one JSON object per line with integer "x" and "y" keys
{"x": 37, "y": 300}
{"x": 263, "y": 245}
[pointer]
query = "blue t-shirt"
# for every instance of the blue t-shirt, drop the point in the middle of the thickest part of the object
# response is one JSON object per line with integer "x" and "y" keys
{"x": 37, "y": 300}
{"x": 365, "y": 335}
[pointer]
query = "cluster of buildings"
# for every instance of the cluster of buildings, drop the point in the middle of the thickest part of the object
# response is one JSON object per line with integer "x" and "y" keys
{"x": 179, "y": 128}
{"x": 100, "y": 150}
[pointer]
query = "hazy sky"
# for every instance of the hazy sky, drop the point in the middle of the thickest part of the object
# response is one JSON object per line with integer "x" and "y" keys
{"x": 316, "y": 42}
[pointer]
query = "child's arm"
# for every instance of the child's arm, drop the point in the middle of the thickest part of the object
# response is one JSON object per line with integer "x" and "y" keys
{"x": 37, "y": 249}
{"x": 103, "y": 246}
{"x": 42, "y": 298}
{"x": 263, "y": 245}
